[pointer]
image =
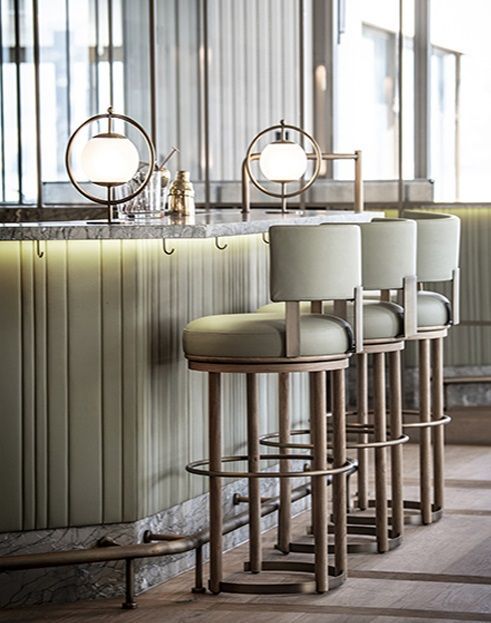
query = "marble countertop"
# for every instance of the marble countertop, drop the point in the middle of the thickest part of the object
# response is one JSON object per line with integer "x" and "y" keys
{"x": 215, "y": 223}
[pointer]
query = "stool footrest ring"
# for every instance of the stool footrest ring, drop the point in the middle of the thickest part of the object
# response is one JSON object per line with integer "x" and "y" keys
{"x": 379, "y": 444}
{"x": 266, "y": 440}
{"x": 444, "y": 420}
{"x": 196, "y": 467}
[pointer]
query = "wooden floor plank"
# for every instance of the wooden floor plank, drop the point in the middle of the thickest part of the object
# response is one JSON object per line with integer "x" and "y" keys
{"x": 440, "y": 573}
{"x": 420, "y": 577}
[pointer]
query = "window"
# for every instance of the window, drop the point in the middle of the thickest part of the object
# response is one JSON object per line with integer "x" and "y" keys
{"x": 367, "y": 102}
{"x": 75, "y": 82}
{"x": 461, "y": 99}
{"x": 443, "y": 123}
{"x": 96, "y": 53}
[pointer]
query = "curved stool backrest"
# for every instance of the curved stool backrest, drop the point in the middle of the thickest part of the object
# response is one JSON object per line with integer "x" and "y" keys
{"x": 438, "y": 251}
{"x": 388, "y": 253}
{"x": 438, "y": 245}
{"x": 389, "y": 262}
{"x": 312, "y": 263}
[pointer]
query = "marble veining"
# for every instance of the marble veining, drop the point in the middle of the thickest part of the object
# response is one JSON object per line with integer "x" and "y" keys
{"x": 72, "y": 583}
{"x": 204, "y": 225}
{"x": 456, "y": 395}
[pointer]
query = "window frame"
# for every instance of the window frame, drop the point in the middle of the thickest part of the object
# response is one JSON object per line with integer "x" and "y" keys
{"x": 321, "y": 27}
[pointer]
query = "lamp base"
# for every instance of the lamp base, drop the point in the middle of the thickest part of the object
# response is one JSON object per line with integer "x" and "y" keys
{"x": 104, "y": 221}
{"x": 296, "y": 212}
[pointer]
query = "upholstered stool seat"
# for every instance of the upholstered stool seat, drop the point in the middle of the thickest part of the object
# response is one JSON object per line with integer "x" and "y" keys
{"x": 263, "y": 335}
{"x": 381, "y": 319}
{"x": 433, "y": 310}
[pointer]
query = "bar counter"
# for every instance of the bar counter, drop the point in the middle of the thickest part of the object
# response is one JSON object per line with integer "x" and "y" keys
{"x": 215, "y": 223}
{"x": 99, "y": 410}
{"x": 100, "y": 414}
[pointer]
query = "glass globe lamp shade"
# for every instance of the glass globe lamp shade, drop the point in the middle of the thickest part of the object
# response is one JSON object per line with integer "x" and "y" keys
{"x": 283, "y": 161}
{"x": 109, "y": 159}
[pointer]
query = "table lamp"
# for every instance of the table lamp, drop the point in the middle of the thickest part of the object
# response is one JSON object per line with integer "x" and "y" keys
{"x": 110, "y": 159}
{"x": 282, "y": 161}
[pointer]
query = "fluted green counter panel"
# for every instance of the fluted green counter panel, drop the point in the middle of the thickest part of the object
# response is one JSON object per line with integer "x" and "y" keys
{"x": 471, "y": 344}
{"x": 99, "y": 412}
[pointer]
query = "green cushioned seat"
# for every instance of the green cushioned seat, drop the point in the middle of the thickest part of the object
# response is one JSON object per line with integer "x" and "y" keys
{"x": 263, "y": 335}
{"x": 381, "y": 320}
{"x": 434, "y": 309}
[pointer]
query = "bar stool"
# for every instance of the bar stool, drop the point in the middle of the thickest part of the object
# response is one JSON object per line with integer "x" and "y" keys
{"x": 388, "y": 263}
{"x": 305, "y": 263}
{"x": 437, "y": 261}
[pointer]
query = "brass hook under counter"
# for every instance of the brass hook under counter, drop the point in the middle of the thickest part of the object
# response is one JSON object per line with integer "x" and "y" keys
{"x": 39, "y": 253}
{"x": 219, "y": 246}
{"x": 265, "y": 237}
{"x": 164, "y": 248}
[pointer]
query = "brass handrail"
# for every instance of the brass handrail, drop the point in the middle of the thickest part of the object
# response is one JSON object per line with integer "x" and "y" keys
{"x": 167, "y": 545}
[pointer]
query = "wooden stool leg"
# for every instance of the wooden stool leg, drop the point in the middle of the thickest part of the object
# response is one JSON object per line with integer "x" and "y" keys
{"x": 380, "y": 453}
{"x": 362, "y": 407}
{"x": 339, "y": 481}
{"x": 438, "y": 431}
{"x": 216, "y": 512}
{"x": 318, "y": 427}
{"x": 284, "y": 523}
{"x": 425, "y": 433}
{"x": 255, "y": 551}
{"x": 396, "y": 451}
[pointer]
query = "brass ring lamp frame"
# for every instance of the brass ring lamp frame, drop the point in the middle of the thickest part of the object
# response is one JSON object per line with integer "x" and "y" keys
{"x": 110, "y": 201}
{"x": 316, "y": 154}
{"x": 247, "y": 174}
